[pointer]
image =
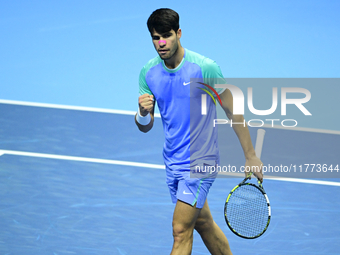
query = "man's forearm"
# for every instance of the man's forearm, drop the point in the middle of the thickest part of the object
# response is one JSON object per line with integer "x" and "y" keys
{"x": 144, "y": 128}
{"x": 242, "y": 132}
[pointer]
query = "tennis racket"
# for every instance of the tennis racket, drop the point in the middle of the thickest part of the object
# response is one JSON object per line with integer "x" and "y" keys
{"x": 247, "y": 209}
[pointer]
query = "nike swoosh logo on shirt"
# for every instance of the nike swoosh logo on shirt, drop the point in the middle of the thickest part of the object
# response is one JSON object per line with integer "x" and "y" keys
{"x": 186, "y": 83}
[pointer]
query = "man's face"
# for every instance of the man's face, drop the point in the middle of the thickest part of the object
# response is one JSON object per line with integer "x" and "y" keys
{"x": 166, "y": 44}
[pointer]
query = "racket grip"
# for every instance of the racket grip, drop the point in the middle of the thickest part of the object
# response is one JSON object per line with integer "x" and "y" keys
{"x": 259, "y": 142}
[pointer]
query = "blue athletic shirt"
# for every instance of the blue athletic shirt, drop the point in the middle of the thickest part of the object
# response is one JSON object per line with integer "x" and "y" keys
{"x": 190, "y": 137}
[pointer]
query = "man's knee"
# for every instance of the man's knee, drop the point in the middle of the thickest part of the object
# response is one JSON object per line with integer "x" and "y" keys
{"x": 181, "y": 231}
{"x": 203, "y": 224}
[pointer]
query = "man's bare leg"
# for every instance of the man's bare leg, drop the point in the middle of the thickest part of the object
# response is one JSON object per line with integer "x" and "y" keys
{"x": 183, "y": 224}
{"x": 213, "y": 237}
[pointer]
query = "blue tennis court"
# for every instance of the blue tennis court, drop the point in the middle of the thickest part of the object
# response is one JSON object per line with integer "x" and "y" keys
{"x": 88, "y": 182}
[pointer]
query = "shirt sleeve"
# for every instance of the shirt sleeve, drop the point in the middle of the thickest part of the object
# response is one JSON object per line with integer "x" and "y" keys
{"x": 212, "y": 75}
{"x": 143, "y": 86}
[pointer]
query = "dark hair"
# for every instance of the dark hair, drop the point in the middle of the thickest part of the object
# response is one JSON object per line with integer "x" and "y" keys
{"x": 163, "y": 20}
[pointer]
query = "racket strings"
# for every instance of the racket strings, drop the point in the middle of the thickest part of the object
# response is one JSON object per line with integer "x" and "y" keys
{"x": 247, "y": 211}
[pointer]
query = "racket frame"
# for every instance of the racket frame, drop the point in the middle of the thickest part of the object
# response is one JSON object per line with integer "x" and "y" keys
{"x": 260, "y": 188}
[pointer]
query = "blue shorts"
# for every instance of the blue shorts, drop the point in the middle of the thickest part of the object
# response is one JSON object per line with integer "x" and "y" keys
{"x": 187, "y": 189}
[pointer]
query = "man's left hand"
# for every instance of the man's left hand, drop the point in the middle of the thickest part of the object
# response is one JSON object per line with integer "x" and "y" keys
{"x": 254, "y": 165}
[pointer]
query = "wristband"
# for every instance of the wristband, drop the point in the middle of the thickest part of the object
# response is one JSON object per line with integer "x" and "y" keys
{"x": 143, "y": 120}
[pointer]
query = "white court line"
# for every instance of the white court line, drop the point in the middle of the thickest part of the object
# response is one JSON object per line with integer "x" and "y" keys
{"x": 138, "y": 164}
{"x": 82, "y": 159}
{"x": 157, "y": 115}
{"x": 275, "y": 178}
{"x": 304, "y": 129}
{"x": 306, "y": 181}
{"x": 71, "y": 107}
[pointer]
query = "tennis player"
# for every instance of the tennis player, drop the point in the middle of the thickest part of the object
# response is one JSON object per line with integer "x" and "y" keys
{"x": 190, "y": 138}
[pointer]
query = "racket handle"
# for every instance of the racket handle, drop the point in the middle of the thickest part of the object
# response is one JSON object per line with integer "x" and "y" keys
{"x": 259, "y": 142}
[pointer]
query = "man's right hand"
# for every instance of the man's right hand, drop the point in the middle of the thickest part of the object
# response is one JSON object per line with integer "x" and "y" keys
{"x": 146, "y": 104}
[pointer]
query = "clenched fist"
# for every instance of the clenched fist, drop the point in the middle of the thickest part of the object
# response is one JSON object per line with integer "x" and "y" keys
{"x": 146, "y": 104}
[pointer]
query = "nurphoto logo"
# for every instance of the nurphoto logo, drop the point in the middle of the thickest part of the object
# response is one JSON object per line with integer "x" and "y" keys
{"x": 238, "y": 105}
